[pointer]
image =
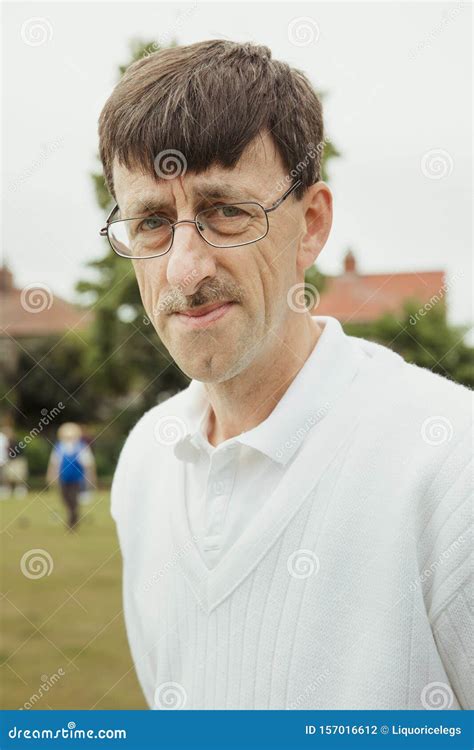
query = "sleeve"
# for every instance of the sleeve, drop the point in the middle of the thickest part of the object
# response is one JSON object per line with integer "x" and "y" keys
{"x": 122, "y": 495}
{"x": 450, "y": 596}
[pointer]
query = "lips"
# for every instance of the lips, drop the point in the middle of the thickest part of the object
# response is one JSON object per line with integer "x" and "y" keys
{"x": 200, "y": 317}
{"x": 198, "y": 312}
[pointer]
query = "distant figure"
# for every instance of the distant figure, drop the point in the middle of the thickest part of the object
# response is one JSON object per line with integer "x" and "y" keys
{"x": 3, "y": 462}
{"x": 16, "y": 468}
{"x": 72, "y": 465}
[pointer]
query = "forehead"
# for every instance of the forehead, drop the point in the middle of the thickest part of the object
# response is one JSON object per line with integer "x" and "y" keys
{"x": 255, "y": 175}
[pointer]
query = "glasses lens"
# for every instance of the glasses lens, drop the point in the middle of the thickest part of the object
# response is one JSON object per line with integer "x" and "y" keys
{"x": 230, "y": 225}
{"x": 141, "y": 238}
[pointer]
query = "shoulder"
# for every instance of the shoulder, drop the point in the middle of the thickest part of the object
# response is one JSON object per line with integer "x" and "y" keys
{"x": 410, "y": 393}
{"x": 160, "y": 427}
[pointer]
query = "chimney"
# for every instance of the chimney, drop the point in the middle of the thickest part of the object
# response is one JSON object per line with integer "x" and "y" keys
{"x": 349, "y": 262}
{"x": 6, "y": 279}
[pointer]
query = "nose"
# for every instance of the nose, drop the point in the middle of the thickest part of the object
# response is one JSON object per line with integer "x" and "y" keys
{"x": 190, "y": 260}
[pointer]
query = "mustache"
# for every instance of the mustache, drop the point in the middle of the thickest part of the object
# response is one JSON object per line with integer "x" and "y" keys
{"x": 215, "y": 290}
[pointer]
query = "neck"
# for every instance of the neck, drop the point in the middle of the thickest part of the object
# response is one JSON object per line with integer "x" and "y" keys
{"x": 246, "y": 400}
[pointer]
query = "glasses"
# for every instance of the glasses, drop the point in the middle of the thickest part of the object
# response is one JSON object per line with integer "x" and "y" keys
{"x": 222, "y": 225}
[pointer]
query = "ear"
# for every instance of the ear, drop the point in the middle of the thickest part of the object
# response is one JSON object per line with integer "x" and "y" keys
{"x": 318, "y": 222}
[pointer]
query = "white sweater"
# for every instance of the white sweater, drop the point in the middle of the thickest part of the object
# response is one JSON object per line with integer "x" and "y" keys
{"x": 350, "y": 589}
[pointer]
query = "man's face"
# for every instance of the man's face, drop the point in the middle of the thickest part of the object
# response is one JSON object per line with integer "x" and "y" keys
{"x": 218, "y": 310}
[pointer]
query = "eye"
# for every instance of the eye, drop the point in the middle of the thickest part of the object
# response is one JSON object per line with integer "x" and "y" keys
{"x": 231, "y": 211}
{"x": 152, "y": 223}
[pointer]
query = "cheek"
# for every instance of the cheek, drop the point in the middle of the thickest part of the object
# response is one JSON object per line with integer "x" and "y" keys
{"x": 151, "y": 278}
{"x": 276, "y": 273}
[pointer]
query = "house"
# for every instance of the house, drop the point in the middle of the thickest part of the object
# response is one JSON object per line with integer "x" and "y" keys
{"x": 31, "y": 313}
{"x": 353, "y": 297}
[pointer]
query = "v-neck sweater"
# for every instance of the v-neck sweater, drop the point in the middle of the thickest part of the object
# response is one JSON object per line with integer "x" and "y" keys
{"x": 350, "y": 587}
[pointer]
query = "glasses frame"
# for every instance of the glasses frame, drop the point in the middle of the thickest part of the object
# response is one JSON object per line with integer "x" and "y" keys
{"x": 104, "y": 232}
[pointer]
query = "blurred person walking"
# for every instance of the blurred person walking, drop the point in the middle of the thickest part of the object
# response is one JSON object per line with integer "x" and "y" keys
{"x": 72, "y": 465}
{"x": 3, "y": 462}
{"x": 16, "y": 467}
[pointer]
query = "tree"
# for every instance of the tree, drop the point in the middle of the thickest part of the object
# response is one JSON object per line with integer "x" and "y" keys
{"x": 427, "y": 340}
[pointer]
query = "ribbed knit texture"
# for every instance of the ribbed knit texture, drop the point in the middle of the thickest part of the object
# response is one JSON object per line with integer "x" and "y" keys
{"x": 355, "y": 594}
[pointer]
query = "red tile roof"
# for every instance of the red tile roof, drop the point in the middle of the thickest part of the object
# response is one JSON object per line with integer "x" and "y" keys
{"x": 35, "y": 310}
{"x": 354, "y": 297}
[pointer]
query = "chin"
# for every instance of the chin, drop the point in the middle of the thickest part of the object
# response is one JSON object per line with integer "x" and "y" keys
{"x": 210, "y": 368}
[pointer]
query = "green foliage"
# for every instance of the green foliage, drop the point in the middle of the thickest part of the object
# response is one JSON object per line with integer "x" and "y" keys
{"x": 53, "y": 370}
{"x": 426, "y": 340}
{"x": 37, "y": 453}
{"x": 315, "y": 284}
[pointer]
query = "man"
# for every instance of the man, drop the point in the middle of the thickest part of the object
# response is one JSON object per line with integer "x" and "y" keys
{"x": 72, "y": 465}
{"x": 294, "y": 524}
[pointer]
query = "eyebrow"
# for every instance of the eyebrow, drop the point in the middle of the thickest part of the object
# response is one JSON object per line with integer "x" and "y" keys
{"x": 149, "y": 203}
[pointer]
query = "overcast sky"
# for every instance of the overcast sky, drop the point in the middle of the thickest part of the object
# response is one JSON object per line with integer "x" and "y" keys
{"x": 398, "y": 107}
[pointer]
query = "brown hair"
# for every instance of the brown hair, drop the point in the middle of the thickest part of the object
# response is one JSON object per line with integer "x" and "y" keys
{"x": 208, "y": 101}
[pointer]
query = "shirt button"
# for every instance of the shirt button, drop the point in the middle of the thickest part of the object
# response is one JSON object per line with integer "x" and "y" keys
{"x": 219, "y": 488}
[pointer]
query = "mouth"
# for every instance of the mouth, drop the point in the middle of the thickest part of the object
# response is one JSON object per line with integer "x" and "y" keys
{"x": 204, "y": 316}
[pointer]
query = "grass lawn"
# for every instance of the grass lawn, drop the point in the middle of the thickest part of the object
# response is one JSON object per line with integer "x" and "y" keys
{"x": 64, "y": 630}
